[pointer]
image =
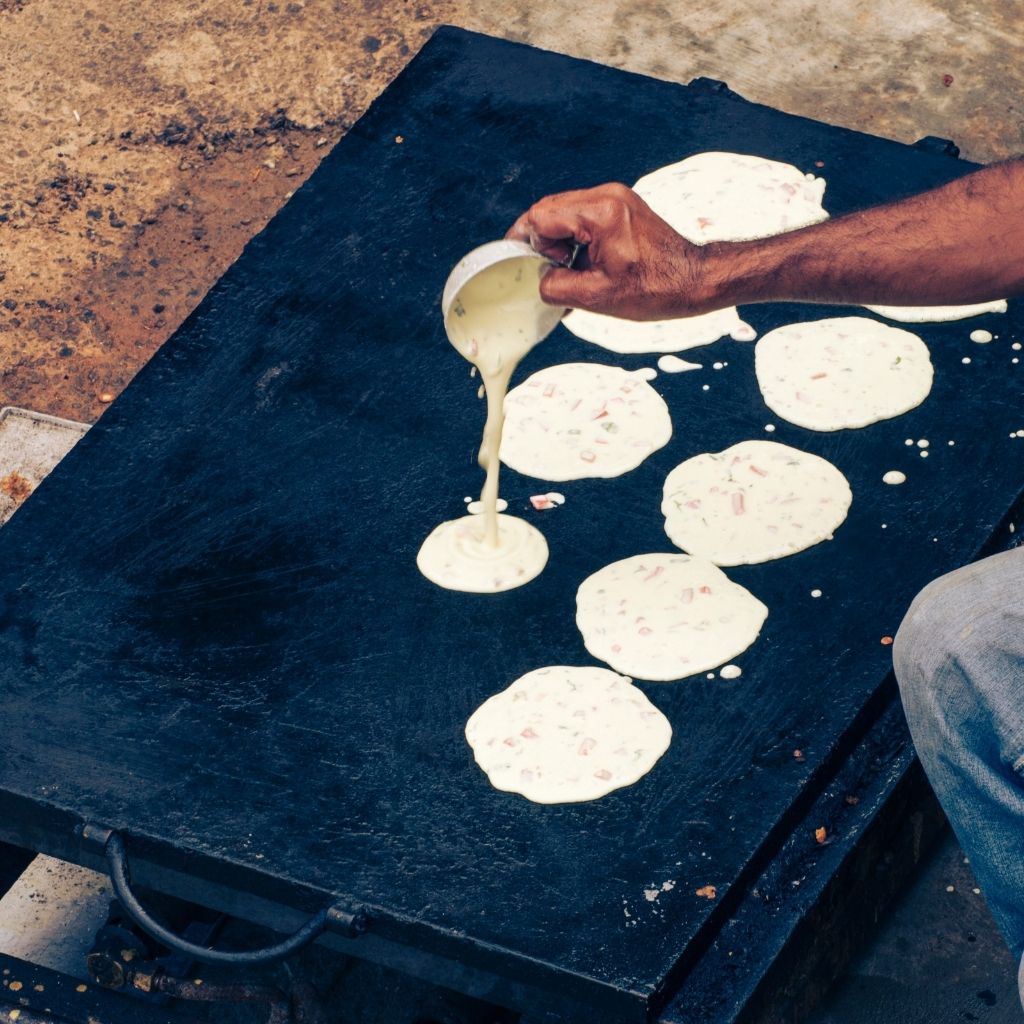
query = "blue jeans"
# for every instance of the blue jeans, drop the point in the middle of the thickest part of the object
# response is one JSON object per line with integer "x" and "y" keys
{"x": 959, "y": 660}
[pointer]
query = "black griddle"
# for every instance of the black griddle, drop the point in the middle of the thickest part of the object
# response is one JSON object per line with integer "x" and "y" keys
{"x": 214, "y": 639}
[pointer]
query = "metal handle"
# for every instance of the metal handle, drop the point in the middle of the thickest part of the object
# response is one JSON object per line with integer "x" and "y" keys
{"x": 113, "y": 848}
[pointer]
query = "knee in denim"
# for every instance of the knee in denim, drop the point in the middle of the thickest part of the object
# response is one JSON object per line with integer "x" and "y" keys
{"x": 948, "y": 651}
{"x": 923, "y": 639}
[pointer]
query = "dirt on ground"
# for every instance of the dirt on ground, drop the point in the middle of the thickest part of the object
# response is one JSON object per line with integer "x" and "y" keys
{"x": 144, "y": 144}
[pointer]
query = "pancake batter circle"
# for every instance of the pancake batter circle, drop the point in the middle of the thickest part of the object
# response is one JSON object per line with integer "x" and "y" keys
{"x": 728, "y": 197}
{"x": 842, "y": 372}
{"x": 578, "y": 420}
{"x": 753, "y": 502}
{"x": 565, "y": 734}
{"x": 457, "y": 556}
{"x": 935, "y": 314}
{"x": 635, "y": 337}
{"x": 664, "y": 616}
{"x": 710, "y": 197}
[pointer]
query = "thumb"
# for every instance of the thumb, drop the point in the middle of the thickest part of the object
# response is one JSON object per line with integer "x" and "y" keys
{"x": 557, "y": 249}
{"x": 576, "y": 289}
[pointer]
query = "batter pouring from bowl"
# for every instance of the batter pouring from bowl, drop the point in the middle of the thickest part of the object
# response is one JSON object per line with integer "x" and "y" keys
{"x": 493, "y": 316}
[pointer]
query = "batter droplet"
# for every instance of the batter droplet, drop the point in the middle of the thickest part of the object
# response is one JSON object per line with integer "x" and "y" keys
{"x": 673, "y": 364}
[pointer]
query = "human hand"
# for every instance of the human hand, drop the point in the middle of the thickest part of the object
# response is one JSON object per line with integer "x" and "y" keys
{"x": 634, "y": 266}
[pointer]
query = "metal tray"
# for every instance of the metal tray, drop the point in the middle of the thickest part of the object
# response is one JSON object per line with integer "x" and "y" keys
{"x": 31, "y": 444}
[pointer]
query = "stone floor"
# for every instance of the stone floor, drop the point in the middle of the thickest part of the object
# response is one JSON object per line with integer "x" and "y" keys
{"x": 146, "y": 142}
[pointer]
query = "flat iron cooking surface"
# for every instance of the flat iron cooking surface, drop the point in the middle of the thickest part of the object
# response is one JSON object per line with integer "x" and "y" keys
{"x": 214, "y": 636}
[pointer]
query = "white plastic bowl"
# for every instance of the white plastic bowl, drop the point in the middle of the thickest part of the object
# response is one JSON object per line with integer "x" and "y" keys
{"x": 483, "y": 258}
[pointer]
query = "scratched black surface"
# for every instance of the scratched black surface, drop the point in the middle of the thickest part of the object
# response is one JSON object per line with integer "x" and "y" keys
{"x": 213, "y": 632}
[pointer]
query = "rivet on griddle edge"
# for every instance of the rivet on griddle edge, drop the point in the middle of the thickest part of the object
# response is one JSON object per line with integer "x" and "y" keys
{"x": 94, "y": 837}
{"x": 341, "y": 921}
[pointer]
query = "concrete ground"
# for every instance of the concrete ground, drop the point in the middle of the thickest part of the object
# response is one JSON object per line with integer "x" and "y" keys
{"x": 937, "y": 958}
{"x": 145, "y": 142}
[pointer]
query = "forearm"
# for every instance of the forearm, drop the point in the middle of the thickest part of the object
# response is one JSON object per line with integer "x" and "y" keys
{"x": 961, "y": 243}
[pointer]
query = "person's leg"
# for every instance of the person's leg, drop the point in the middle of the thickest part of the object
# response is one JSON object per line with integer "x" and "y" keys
{"x": 1020, "y": 981}
{"x": 959, "y": 660}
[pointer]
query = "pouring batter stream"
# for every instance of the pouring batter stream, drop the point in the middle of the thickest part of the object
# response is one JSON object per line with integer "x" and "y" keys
{"x": 493, "y": 319}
